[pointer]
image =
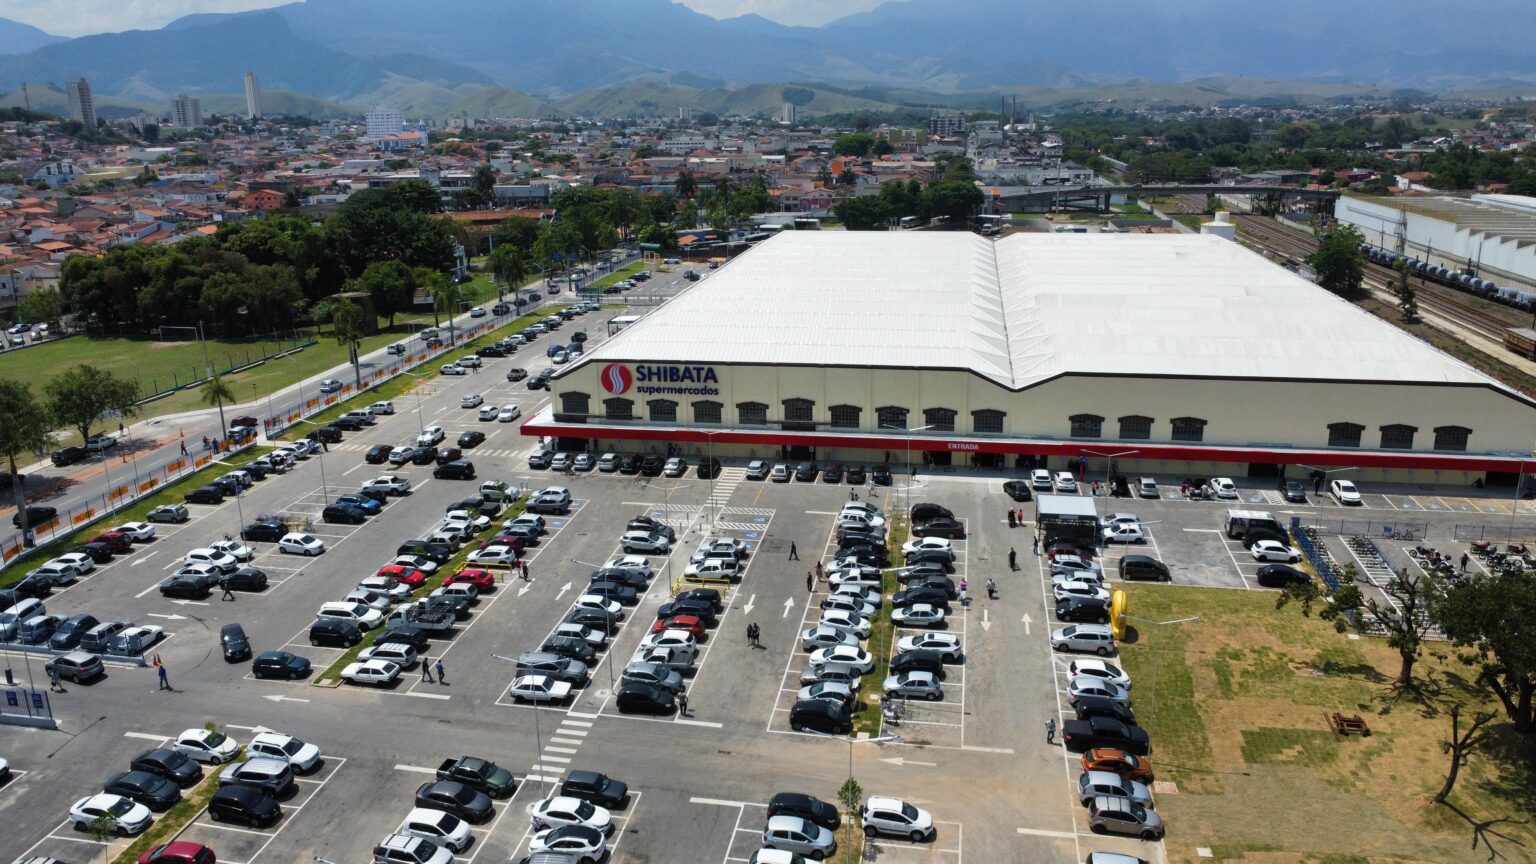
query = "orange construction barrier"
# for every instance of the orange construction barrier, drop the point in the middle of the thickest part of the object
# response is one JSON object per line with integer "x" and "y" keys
{"x": 10, "y": 553}
{"x": 148, "y": 485}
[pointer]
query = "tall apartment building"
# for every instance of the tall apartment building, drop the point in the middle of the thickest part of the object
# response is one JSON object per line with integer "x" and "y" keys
{"x": 789, "y": 114}
{"x": 188, "y": 111}
{"x": 252, "y": 96}
{"x": 81, "y": 107}
{"x": 946, "y": 121}
{"x": 384, "y": 121}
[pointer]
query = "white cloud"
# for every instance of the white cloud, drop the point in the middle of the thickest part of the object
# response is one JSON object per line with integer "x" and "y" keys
{"x": 805, "y": 13}
{"x": 84, "y": 17}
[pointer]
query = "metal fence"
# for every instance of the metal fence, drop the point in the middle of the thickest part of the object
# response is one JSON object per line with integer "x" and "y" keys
{"x": 1389, "y": 529}
{"x": 1316, "y": 553}
{"x": 1494, "y": 533}
{"x": 22, "y": 705}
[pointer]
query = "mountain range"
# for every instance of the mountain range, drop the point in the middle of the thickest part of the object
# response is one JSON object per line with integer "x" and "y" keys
{"x": 449, "y": 57}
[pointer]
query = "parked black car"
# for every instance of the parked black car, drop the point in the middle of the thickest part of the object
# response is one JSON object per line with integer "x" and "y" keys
{"x": 347, "y": 424}
{"x": 1018, "y": 490}
{"x": 1103, "y": 706}
{"x": 184, "y": 588}
{"x": 650, "y": 465}
{"x": 449, "y": 454}
{"x": 821, "y": 715}
{"x": 279, "y": 664}
{"x": 942, "y": 527}
{"x": 326, "y": 435}
{"x": 68, "y": 455}
{"x": 1082, "y": 609}
{"x": 471, "y": 805}
{"x": 335, "y": 632}
{"x": 209, "y": 494}
{"x": 805, "y": 472}
{"x": 832, "y": 473}
{"x": 35, "y": 516}
{"x": 244, "y": 805}
{"x": 629, "y": 463}
{"x": 637, "y": 698}
{"x": 246, "y": 579}
{"x": 1281, "y": 575}
{"x": 806, "y": 807}
{"x": 936, "y": 597}
{"x": 920, "y": 660}
{"x": 855, "y": 476}
{"x": 600, "y": 789}
{"x": 472, "y": 438}
{"x": 437, "y": 553}
{"x": 172, "y": 765}
{"x": 151, "y": 790}
{"x": 344, "y": 513}
{"x": 881, "y": 474}
{"x": 516, "y": 374}
{"x": 378, "y": 454}
{"x": 100, "y": 553}
{"x": 424, "y": 456}
{"x": 264, "y": 530}
{"x": 412, "y": 636}
{"x": 570, "y": 646}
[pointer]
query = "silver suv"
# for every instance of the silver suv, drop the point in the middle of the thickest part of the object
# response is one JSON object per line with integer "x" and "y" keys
{"x": 556, "y": 666}
{"x": 406, "y": 849}
{"x": 270, "y": 777}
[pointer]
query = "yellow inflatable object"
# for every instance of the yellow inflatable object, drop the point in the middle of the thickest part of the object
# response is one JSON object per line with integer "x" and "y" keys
{"x": 1117, "y": 609}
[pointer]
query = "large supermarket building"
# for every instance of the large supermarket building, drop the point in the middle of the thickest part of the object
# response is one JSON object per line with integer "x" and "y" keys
{"x": 1182, "y": 355}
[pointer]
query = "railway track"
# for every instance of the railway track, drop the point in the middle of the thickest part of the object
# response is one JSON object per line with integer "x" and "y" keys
{"x": 1298, "y": 244}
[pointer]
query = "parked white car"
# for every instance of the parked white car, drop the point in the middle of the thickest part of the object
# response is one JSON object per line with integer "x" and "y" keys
{"x": 1100, "y": 669}
{"x": 206, "y": 745}
{"x": 296, "y": 543}
{"x": 1345, "y": 492}
{"x": 1223, "y": 487}
{"x": 389, "y": 484}
{"x": 1274, "y": 550}
{"x": 275, "y": 745}
{"x": 375, "y": 672}
{"x": 540, "y": 688}
{"x": 1065, "y": 482}
{"x": 138, "y": 532}
{"x": 430, "y": 436}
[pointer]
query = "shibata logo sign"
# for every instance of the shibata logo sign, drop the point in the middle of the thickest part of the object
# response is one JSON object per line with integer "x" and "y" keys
{"x": 619, "y": 378}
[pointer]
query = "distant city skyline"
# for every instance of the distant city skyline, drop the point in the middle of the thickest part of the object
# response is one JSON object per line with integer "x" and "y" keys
{"x": 87, "y": 17}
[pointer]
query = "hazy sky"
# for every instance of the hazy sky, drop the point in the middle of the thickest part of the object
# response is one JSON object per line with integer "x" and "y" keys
{"x": 82, "y": 17}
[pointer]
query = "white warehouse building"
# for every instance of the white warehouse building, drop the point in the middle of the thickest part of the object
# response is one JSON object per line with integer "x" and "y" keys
{"x": 1161, "y": 354}
{"x": 1492, "y": 237}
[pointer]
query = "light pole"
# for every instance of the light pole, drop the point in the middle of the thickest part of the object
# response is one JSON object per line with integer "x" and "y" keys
{"x": 538, "y": 741}
{"x": 608, "y": 626}
{"x": 911, "y": 472}
{"x": 1157, "y": 656}
{"x": 852, "y": 741}
{"x": 240, "y": 511}
{"x": 713, "y": 470}
{"x": 1109, "y": 461}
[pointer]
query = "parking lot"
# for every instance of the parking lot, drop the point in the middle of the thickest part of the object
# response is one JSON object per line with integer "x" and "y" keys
{"x": 699, "y": 783}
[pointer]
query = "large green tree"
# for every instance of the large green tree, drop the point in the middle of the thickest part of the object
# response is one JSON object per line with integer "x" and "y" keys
{"x": 1405, "y": 619}
{"x": 347, "y": 323}
{"x": 39, "y": 307}
{"x": 853, "y": 144}
{"x": 215, "y": 392}
{"x": 1340, "y": 266}
{"x": 24, "y": 431}
{"x": 519, "y": 231}
{"x": 1491, "y": 616}
{"x": 864, "y": 213}
{"x": 391, "y": 285}
{"x": 80, "y": 396}
{"x": 509, "y": 267}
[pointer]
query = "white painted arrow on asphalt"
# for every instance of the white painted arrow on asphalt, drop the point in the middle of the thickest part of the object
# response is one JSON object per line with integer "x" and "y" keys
{"x": 138, "y": 561}
{"x": 986, "y": 619}
{"x": 168, "y": 618}
{"x": 527, "y": 586}
{"x": 188, "y": 603}
{"x": 563, "y": 588}
{"x": 1027, "y": 621}
{"x": 899, "y": 762}
{"x": 789, "y": 603}
{"x": 748, "y": 608}
{"x": 278, "y": 697}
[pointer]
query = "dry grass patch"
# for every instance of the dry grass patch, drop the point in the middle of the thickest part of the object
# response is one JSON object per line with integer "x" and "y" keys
{"x": 1240, "y": 727}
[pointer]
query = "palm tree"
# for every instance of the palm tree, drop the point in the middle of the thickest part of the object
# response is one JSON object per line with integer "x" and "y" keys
{"x": 347, "y": 320}
{"x": 25, "y": 430}
{"x": 215, "y": 391}
{"x": 509, "y": 267}
{"x": 446, "y": 297}
{"x": 687, "y": 187}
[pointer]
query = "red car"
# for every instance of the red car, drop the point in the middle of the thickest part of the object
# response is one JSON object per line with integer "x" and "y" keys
{"x": 117, "y": 541}
{"x": 691, "y": 623}
{"x": 403, "y": 574}
{"x": 179, "y": 852}
{"x": 483, "y": 580}
{"x": 516, "y": 543}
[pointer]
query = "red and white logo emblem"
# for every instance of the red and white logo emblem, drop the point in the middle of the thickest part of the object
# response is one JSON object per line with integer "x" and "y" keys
{"x": 616, "y": 378}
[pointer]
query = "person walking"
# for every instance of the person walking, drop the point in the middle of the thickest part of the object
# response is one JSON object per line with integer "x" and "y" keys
{"x": 1464, "y": 560}
{"x": 1013, "y": 559}
{"x": 1012, "y": 521}
{"x": 821, "y": 574}
{"x": 426, "y": 669}
{"x": 165, "y": 681}
{"x": 53, "y": 680}
{"x": 749, "y": 634}
{"x": 810, "y": 581}
{"x": 1037, "y": 544}
{"x": 442, "y": 674}
{"x": 794, "y": 552}
{"x": 682, "y": 703}
{"x": 228, "y": 594}
{"x": 757, "y": 635}
{"x": 523, "y": 566}
{"x": 183, "y": 448}
{"x": 1050, "y": 730}
{"x": 964, "y": 584}
{"x": 991, "y": 589}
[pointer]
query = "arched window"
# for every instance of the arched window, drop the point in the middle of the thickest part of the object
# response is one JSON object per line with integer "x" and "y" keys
{"x": 752, "y": 413}
{"x": 1135, "y": 427}
{"x": 663, "y": 410}
{"x": 798, "y": 410}
{"x": 1087, "y": 426}
{"x": 1397, "y": 436}
{"x": 1188, "y": 429}
{"x": 939, "y": 419}
{"x": 987, "y": 421}
{"x": 619, "y": 409}
{"x": 892, "y": 417}
{"x": 845, "y": 416}
{"x": 1452, "y": 437}
{"x": 574, "y": 407}
{"x": 1345, "y": 434}
{"x": 705, "y": 411}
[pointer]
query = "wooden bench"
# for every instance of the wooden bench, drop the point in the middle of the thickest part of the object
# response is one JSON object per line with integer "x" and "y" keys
{"x": 1354, "y": 725}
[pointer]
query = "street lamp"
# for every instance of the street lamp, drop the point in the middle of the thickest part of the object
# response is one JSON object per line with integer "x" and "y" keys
{"x": 710, "y": 436}
{"x": 1157, "y": 656}
{"x": 538, "y": 742}
{"x": 911, "y": 472}
{"x": 852, "y": 741}
{"x": 1109, "y": 461}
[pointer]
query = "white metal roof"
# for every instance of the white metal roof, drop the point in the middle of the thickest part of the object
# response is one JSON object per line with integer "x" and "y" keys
{"x": 1025, "y": 309}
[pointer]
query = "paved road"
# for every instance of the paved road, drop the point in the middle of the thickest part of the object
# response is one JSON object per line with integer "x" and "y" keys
{"x": 149, "y": 446}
